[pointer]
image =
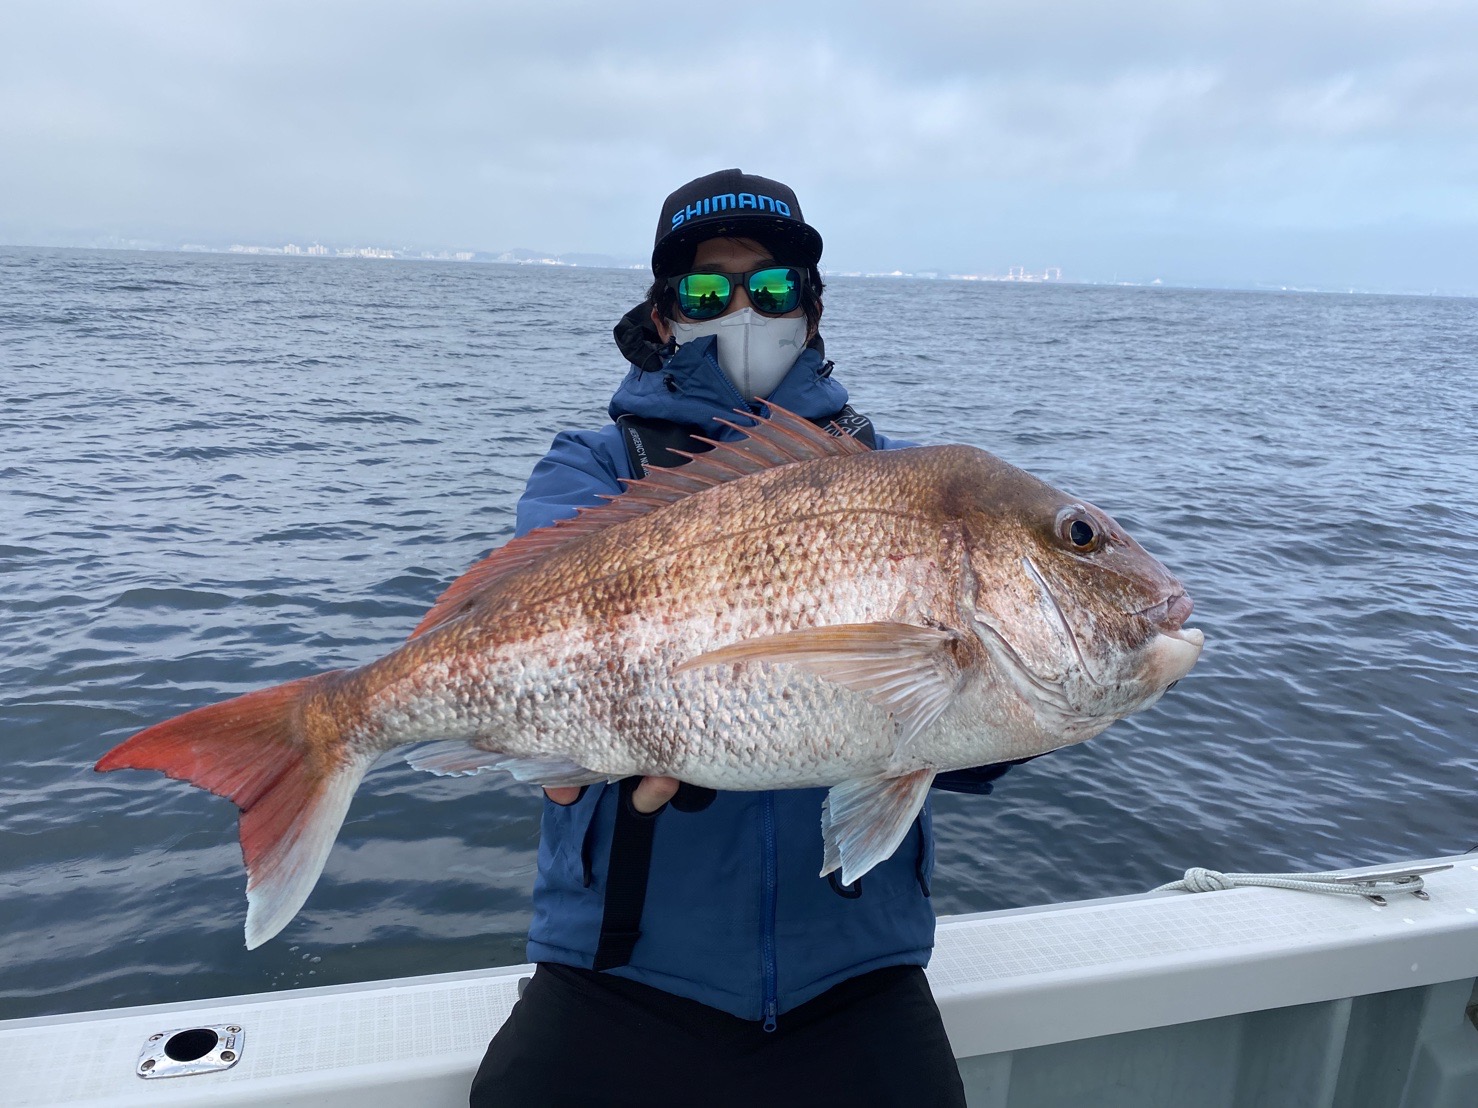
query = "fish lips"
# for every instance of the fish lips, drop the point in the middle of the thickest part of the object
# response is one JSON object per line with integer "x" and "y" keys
{"x": 1169, "y": 615}
{"x": 1175, "y": 649}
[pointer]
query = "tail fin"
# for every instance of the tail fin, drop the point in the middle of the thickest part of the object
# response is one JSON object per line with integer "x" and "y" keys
{"x": 283, "y": 761}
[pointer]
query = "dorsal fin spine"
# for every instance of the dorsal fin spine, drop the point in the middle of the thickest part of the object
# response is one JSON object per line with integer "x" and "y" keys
{"x": 780, "y": 440}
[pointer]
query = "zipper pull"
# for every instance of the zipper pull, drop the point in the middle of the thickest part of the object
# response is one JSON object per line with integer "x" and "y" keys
{"x": 769, "y": 1015}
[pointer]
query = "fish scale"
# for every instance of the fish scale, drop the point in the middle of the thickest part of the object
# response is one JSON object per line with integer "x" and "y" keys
{"x": 765, "y": 572}
{"x": 706, "y": 716}
{"x": 785, "y": 612}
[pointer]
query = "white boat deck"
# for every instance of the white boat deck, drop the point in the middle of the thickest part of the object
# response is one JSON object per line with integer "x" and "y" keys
{"x": 1262, "y": 996}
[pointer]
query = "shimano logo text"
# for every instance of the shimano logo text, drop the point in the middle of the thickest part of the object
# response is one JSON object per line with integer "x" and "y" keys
{"x": 730, "y": 201}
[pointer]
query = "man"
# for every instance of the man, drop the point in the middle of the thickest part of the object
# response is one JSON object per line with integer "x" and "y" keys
{"x": 688, "y": 953}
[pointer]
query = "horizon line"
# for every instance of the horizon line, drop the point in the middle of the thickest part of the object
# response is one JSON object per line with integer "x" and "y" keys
{"x": 553, "y": 261}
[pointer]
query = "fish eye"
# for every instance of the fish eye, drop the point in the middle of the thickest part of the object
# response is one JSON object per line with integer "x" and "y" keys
{"x": 1080, "y": 531}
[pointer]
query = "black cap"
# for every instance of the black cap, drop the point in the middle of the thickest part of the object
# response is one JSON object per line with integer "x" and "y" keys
{"x": 732, "y": 204}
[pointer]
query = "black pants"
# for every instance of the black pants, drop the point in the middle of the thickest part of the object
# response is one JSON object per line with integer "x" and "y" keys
{"x": 578, "y": 1038}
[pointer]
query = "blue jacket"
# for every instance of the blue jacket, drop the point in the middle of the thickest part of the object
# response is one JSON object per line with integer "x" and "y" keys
{"x": 735, "y": 914}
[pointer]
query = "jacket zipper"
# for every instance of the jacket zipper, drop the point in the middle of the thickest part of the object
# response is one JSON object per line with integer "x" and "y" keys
{"x": 767, "y": 942}
{"x": 741, "y": 403}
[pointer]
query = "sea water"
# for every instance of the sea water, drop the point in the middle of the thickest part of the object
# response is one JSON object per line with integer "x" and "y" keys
{"x": 219, "y": 472}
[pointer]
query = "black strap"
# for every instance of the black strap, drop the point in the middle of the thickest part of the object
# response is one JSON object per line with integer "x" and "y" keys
{"x": 626, "y": 880}
{"x": 651, "y": 442}
{"x": 628, "y": 869}
{"x": 849, "y": 421}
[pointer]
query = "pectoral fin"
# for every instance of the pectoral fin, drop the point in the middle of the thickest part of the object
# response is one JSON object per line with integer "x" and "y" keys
{"x": 862, "y": 822}
{"x": 908, "y": 671}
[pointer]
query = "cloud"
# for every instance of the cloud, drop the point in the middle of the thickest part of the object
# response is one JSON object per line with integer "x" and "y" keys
{"x": 959, "y": 135}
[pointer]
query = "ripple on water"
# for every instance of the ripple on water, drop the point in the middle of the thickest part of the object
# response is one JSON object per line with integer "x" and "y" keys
{"x": 171, "y": 599}
{"x": 220, "y": 475}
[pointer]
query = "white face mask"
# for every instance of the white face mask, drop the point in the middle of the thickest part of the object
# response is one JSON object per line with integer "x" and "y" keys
{"x": 754, "y": 351}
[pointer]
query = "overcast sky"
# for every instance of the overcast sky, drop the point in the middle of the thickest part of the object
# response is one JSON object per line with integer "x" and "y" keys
{"x": 1305, "y": 142}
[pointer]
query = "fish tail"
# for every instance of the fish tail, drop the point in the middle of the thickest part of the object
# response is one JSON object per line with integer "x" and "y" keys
{"x": 281, "y": 756}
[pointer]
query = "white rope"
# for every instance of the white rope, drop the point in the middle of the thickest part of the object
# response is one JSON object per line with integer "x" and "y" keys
{"x": 1374, "y": 886}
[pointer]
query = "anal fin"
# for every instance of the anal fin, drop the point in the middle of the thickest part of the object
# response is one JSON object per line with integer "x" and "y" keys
{"x": 862, "y": 822}
{"x": 459, "y": 759}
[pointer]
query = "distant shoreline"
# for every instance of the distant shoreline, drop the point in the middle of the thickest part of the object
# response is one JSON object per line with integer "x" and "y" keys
{"x": 528, "y": 258}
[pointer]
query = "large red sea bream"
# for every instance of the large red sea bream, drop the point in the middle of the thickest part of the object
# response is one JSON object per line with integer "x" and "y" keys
{"x": 792, "y": 610}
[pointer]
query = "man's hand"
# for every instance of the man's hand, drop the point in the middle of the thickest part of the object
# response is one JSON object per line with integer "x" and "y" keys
{"x": 648, "y": 796}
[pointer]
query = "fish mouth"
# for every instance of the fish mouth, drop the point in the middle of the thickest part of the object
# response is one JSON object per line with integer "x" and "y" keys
{"x": 1169, "y": 615}
{"x": 1172, "y": 654}
{"x": 1176, "y": 647}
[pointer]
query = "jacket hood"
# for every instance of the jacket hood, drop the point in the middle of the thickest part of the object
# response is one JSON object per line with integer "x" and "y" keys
{"x": 685, "y": 384}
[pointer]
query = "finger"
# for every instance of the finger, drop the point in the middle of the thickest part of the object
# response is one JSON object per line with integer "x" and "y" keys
{"x": 652, "y": 793}
{"x": 563, "y": 795}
